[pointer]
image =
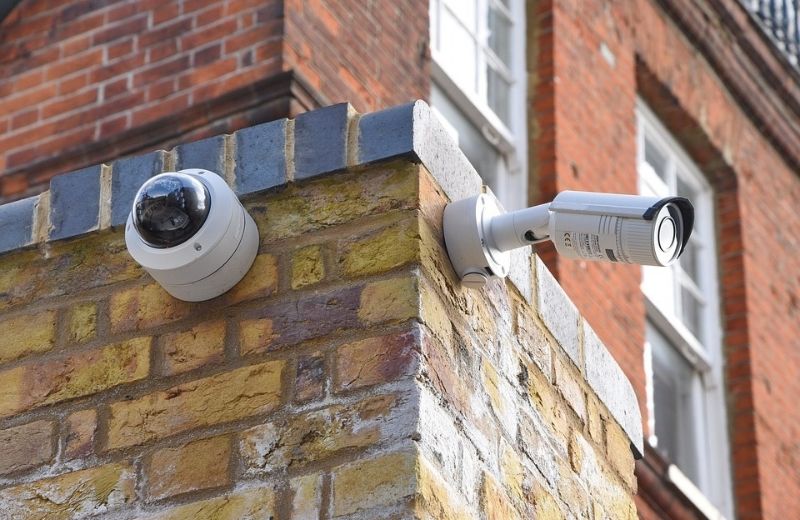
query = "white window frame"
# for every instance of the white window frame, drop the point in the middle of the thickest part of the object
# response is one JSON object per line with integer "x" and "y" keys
{"x": 510, "y": 140}
{"x": 704, "y": 351}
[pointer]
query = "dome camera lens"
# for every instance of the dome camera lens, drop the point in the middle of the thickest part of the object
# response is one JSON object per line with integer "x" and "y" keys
{"x": 170, "y": 209}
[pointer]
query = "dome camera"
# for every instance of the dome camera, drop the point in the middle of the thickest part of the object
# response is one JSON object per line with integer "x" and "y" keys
{"x": 191, "y": 233}
{"x": 479, "y": 233}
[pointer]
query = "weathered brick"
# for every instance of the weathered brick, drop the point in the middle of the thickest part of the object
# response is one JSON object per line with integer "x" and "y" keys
{"x": 320, "y": 141}
{"x": 144, "y": 307}
{"x": 546, "y": 507}
{"x": 536, "y": 442}
{"x": 520, "y": 272}
{"x": 307, "y": 499}
{"x": 622, "y": 507}
{"x": 575, "y": 452}
{"x": 377, "y": 360}
{"x": 208, "y": 154}
{"x": 228, "y": 396}
{"x": 260, "y": 157}
{"x": 26, "y": 446}
{"x": 335, "y": 200}
{"x": 309, "y": 381}
{"x": 260, "y": 281}
{"x": 618, "y": 450}
{"x": 75, "y": 495}
{"x": 198, "y": 465}
{"x": 69, "y": 267}
{"x": 80, "y": 428}
{"x": 438, "y": 435}
{"x": 572, "y": 491}
{"x": 37, "y": 384}
{"x": 82, "y": 322}
{"x": 308, "y": 267}
{"x": 570, "y": 388}
{"x": 594, "y": 419}
{"x": 365, "y": 484}
{"x": 27, "y": 334}
{"x": 534, "y": 341}
{"x": 253, "y": 503}
{"x": 435, "y": 315}
{"x": 395, "y": 299}
{"x": 295, "y": 441}
{"x": 435, "y": 499}
{"x": 547, "y": 405}
{"x": 501, "y": 397}
{"x": 494, "y": 503}
{"x": 201, "y": 345}
{"x": 381, "y": 250}
{"x": 74, "y": 203}
{"x": 512, "y": 472}
{"x": 289, "y": 322}
{"x": 16, "y": 224}
{"x": 255, "y": 335}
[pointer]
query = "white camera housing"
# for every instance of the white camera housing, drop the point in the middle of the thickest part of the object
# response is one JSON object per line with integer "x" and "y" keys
{"x": 210, "y": 261}
{"x": 479, "y": 233}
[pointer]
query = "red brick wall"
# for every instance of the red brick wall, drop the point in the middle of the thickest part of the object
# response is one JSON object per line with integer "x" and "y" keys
{"x": 584, "y": 138}
{"x": 79, "y": 73}
{"x": 382, "y": 63}
{"x": 84, "y": 71}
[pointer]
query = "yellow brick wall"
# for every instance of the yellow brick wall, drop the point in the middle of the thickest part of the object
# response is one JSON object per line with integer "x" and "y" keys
{"x": 510, "y": 429}
{"x": 346, "y": 376}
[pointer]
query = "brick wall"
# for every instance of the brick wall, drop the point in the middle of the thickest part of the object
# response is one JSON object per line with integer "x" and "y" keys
{"x": 346, "y": 376}
{"x": 371, "y": 54}
{"x": 88, "y": 81}
{"x": 721, "y": 91}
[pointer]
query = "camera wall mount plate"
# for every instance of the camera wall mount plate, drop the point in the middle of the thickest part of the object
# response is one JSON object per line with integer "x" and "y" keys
{"x": 468, "y": 238}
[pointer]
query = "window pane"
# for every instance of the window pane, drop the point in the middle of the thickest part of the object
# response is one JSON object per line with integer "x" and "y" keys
{"x": 658, "y": 283}
{"x": 500, "y": 35}
{"x": 458, "y": 53}
{"x": 690, "y": 311}
{"x": 480, "y": 152}
{"x": 684, "y": 190}
{"x": 466, "y": 11}
{"x": 499, "y": 92}
{"x": 673, "y": 380}
{"x": 655, "y": 159}
{"x": 688, "y": 261}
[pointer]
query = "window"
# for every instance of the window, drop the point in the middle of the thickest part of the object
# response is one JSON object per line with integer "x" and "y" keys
{"x": 478, "y": 49}
{"x": 683, "y": 356}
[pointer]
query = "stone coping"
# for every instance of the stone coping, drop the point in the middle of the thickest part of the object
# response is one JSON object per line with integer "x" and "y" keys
{"x": 316, "y": 143}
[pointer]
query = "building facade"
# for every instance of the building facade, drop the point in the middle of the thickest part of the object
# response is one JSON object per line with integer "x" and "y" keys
{"x": 695, "y": 98}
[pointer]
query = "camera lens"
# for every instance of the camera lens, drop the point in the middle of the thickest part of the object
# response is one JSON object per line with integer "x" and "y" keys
{"x": 169, "y": 209}
{"x": 666, "y": 234}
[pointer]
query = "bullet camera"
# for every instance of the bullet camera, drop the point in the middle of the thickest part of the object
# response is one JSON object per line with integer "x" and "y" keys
{"x": 191, "y": 233}
{"x": 630, "y": 229}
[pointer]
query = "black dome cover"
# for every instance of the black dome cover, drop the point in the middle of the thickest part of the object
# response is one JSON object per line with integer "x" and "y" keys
{"x": 170, "y": 209}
